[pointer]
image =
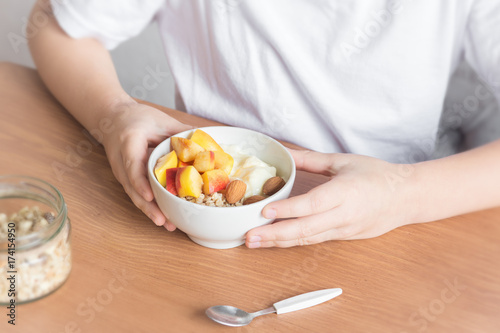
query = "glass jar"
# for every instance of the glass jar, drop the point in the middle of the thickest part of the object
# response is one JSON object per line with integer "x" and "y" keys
{"x": 35, "y": 246}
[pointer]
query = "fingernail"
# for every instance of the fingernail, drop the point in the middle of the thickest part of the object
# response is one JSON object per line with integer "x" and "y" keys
{"x": 270, "y": 213}
{"x": 153, "y": 218}
{"x": 148, "y": 196}
{"x": 254, "y": 245}
{"x": 254, "y": 239}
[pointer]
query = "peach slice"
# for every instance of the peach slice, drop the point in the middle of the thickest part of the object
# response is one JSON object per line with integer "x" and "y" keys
{"x": 214, "y": 181}
{"x": 205, "y": 140}
{"x": 170, "y": 180}
{"x": 181, "y": 164}
{"x": 165, "y": 162}
{"x": 188, "y": 182}
{"x": 204, "y": 161}
{"x": 223, "y": 161}
{"x": 186, "y": 149}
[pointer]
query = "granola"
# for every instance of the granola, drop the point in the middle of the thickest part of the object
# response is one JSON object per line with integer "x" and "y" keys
{"x": 41, "y": 269}
{"x": 216, "y": 199}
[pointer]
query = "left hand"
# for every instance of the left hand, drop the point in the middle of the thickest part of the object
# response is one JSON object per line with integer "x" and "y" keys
{"x": 365, "y": 197}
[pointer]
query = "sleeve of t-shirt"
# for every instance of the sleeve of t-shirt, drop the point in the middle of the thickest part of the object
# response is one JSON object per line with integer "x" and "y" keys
{"x": 482, "y": 42}
{"x": 109, "y": 21}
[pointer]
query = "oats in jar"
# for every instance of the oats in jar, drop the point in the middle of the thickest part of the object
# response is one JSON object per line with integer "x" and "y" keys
{"x": 42, "y": 255}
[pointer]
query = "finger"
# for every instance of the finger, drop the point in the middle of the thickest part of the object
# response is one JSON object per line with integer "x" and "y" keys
{"x": 341, "y": 233}
{"x": 149, "y": 208}
{"x": 311, "y": 161}
{"x": 174, "y": 126}
{"x": 316, "y": 239}
{"x": 135, "y": 149}
{"x": 295, "y": 231}
{"x": 181, "y": 127}
{"x": 320, "y": 199}
{"x": 164, "y": 132}
{"x": 169, "y": 226}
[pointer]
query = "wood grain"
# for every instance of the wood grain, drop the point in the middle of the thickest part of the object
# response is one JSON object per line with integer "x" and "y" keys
{"x": 438, "y": 277}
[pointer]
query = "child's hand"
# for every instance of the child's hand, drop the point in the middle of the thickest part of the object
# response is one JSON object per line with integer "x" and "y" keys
{"x": 361, "y": 200}
{"x": 137, "y": 127}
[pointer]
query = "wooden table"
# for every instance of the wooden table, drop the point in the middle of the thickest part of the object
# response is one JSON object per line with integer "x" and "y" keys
{"x": 131, "y": 276}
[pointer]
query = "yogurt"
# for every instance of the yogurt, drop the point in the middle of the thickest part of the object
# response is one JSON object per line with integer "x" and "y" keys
{"x": 250, "y": 169}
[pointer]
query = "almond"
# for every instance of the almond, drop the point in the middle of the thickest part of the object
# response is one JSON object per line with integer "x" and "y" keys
{"x": 235, "y": 190}
{"x": 253, "y": 199}
{"x": 273, "y": 185}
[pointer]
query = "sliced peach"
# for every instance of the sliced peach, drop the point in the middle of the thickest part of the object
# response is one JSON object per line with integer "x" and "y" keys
{"x": 170, "y": 180}
{"x": 205, "y": 140}
{"x": 223, "y": 161}
{"x": 186, "y": 149}
{"x": 214, "y": 181}
{"x": 181, "y": 164}
{"x": 204, "y": 161}
{"x": 188, "y": 182}
{"x": 165, "y": 162}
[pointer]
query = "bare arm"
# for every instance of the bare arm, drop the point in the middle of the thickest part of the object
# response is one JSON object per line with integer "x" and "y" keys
{"x": 458, "y": 184}
{"x": 81, "y": 75}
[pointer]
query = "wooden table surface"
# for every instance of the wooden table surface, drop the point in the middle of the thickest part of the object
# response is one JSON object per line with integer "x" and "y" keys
{"x": 131, "y": 276}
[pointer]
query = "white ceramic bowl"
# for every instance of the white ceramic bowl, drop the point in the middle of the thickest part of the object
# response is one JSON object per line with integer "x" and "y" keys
{"x": 224, "y": 227}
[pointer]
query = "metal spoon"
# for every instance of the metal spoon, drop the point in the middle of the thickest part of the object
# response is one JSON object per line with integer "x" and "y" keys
{"x": 231, "y": 316}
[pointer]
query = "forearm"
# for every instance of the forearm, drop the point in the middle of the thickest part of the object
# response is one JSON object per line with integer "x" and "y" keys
{"x": 80, "y": 73}
{"x": 457, "y": 184}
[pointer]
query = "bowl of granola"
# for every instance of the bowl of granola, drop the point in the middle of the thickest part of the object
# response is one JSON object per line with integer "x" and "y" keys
{"x": 213, "y": 182}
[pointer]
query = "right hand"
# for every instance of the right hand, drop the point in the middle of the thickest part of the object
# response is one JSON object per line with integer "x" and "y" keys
{"x": 136, "y": 128}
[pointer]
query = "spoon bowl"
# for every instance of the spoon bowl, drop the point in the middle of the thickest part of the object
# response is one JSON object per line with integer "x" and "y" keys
{"x": 231, "y": 316}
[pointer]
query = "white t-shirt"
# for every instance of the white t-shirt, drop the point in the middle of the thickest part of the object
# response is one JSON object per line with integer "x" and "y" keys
{"x": 367, "y": 77}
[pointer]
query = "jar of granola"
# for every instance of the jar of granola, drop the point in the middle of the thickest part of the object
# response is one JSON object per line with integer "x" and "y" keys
{"x": 35, "y": 247}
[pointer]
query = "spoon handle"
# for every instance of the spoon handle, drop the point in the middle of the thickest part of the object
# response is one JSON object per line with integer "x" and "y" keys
{"x": 306, "y": 300}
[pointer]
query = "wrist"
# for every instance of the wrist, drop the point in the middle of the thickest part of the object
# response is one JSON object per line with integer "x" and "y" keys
{"x": 417, "y": 190}
{"x": 115, "y": 104}
{"x": 407, "y": 192}
{"x": 118, "y": 100}
{"x": 429, "y": 192}
{"x": 106, "y": 120}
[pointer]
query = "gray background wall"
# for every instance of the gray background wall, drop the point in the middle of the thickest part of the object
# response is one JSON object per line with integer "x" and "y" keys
{"x": 132, "y": 59}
